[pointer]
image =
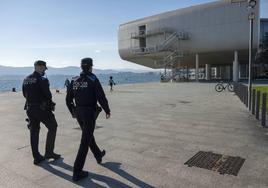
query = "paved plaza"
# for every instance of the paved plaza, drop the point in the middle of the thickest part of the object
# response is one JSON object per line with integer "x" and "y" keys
{"x": 154, "y": 129}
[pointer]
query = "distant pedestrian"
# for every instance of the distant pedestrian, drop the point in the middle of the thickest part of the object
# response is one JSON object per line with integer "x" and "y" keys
{"x": 67, "y": 83}
{"x": 111, "y": 83}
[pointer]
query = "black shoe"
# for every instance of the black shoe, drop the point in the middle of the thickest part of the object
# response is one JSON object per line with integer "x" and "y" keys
{"x": 99, "y": 160}
{"x": 52, "y": 156}
{"x": 80, "y": 175}
{"x": 38, "y": 160}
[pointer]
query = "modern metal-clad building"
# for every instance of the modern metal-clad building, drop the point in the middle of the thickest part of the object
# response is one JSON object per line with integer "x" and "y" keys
{"x": 213, "y": 35}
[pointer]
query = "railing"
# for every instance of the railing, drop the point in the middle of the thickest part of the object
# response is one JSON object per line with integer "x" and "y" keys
{"x": 145, "y": 50}
{"x": 158, "y": 48}
{"x": 168, "y": 41}
{"x": 169, "y": 78}
{"x": 259, "y": 100}
{"x": 153, "y": 32}
{"x": 140, "y": 34}
{"x": 173, "y": 55}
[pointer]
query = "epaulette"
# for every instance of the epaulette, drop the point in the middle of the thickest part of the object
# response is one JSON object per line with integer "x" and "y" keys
{"x": 43, "y": 78}
{"x": 75, "y": 78}
{"x": 92, "y": 77}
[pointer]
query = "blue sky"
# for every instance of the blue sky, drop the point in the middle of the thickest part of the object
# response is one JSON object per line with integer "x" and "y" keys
{"x": 62, "y": 32}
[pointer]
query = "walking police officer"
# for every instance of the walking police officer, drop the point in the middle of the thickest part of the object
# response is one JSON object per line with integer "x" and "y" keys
{"x": 82, "y": 97}
{"x": 39, "y": 107}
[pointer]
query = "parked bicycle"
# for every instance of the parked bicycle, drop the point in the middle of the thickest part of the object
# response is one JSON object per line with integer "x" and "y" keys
{"x": 222, "y": 86}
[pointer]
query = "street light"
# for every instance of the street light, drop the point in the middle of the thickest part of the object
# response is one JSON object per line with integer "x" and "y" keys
{"x": 252, "y": 3}
{"x": 251, "y": 17}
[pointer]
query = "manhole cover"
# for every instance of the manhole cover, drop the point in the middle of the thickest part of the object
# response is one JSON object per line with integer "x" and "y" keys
{"x": 223, "y": 164}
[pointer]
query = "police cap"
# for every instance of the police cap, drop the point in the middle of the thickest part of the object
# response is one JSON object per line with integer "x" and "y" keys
{"x": 40, "y": 63}
{"x": 86, "y": 62}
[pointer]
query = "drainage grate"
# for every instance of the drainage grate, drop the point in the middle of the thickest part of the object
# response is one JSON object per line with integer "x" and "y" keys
{"x": 223, "y": 164}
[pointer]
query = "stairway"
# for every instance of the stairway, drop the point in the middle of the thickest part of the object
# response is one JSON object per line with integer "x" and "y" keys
{"x": 164, "y": 46}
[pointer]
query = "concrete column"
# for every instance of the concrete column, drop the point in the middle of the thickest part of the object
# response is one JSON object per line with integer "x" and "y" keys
{"x": 235, "y": 67}
{"x": 187, "y": 73}
{"x": 208, "y": 72}
{"x": 223, "y": 74}
{"x": 197, "y": 67}
{"x": 239, "y": 68}
{"x": 219, "y": 72}
{"x": 228, "y": 72}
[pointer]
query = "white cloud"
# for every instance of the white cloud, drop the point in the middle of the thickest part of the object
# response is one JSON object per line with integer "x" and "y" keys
{"x": 97, "y": 51}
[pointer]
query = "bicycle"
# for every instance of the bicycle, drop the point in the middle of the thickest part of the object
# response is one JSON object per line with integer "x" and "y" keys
{"x": 222, "y": 86}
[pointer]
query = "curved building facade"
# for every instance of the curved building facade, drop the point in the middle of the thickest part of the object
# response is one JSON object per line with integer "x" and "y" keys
{"x": 204, "y": 36}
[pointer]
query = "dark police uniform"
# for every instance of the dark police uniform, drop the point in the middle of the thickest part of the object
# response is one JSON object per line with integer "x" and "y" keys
{"x": 39, "y": 108}
{"x": 86, "y": 91}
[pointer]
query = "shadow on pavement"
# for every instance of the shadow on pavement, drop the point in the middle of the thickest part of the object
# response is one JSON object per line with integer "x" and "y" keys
{"x": 87, "y": 182}
{"x": 115, "y": 167}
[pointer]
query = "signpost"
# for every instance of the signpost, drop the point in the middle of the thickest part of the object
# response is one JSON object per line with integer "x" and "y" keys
{"x": 251, "y": 17}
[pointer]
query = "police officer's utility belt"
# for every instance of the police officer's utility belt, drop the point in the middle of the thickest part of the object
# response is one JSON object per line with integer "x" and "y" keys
{"x": 46, "y": 106}
{"x": 33, "y": 104}
{"x": 91, "y": 107}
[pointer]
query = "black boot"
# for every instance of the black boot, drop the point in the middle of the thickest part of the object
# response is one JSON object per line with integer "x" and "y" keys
{"x": 52, "y": 156}
{"x": 38, "y": 160}
{"x": 80, "y": 175}
{"x": 99, "y": 160}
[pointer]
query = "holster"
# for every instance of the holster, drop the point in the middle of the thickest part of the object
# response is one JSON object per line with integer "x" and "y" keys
{"x": 48, "y": 106}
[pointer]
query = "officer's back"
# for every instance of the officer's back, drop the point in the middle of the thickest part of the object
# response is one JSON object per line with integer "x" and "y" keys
{"x": 84, "y": 90}
{"x": 81, "y": 99}
{"x": 36, "y": 89}
{"x": 39, "y": 107}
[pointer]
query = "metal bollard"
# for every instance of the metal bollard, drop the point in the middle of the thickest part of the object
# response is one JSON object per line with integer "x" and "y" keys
{"x": 263, "y": 113}
{"x": 243, "y": 94}
{"x": 253, "y": 101}
{"x": 246, "y": 94}
{"x": 258, "y": 105}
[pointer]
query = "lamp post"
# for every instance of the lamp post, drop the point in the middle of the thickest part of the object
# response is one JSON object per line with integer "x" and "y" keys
{"x": 251, "y": 17}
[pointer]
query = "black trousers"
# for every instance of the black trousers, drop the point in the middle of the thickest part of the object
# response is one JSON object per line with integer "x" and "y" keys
{"x": 36, "y": 115}
{"x": 86, "y": 120}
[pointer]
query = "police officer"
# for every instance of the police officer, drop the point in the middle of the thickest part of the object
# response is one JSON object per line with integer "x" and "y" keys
{"x": 39, "y": 107}
{"x": 82, "y": 97}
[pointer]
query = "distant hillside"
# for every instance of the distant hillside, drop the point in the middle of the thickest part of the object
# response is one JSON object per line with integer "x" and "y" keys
{"x": 71, "y": 70}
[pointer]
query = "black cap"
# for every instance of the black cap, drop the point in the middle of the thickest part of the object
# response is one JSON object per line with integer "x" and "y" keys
{"x": 40, "y": 63}
{"x": 86, "y": 62}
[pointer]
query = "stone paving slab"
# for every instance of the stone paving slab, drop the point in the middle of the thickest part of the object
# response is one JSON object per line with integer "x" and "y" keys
{"x": 155, "y": 128}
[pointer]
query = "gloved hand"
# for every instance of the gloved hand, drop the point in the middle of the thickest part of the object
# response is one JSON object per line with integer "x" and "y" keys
{"x": 28, "y": 123}
{"x": 108, "y": 116}
{"x": 73, "y": 113}
{"x": 53, "y": 106}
